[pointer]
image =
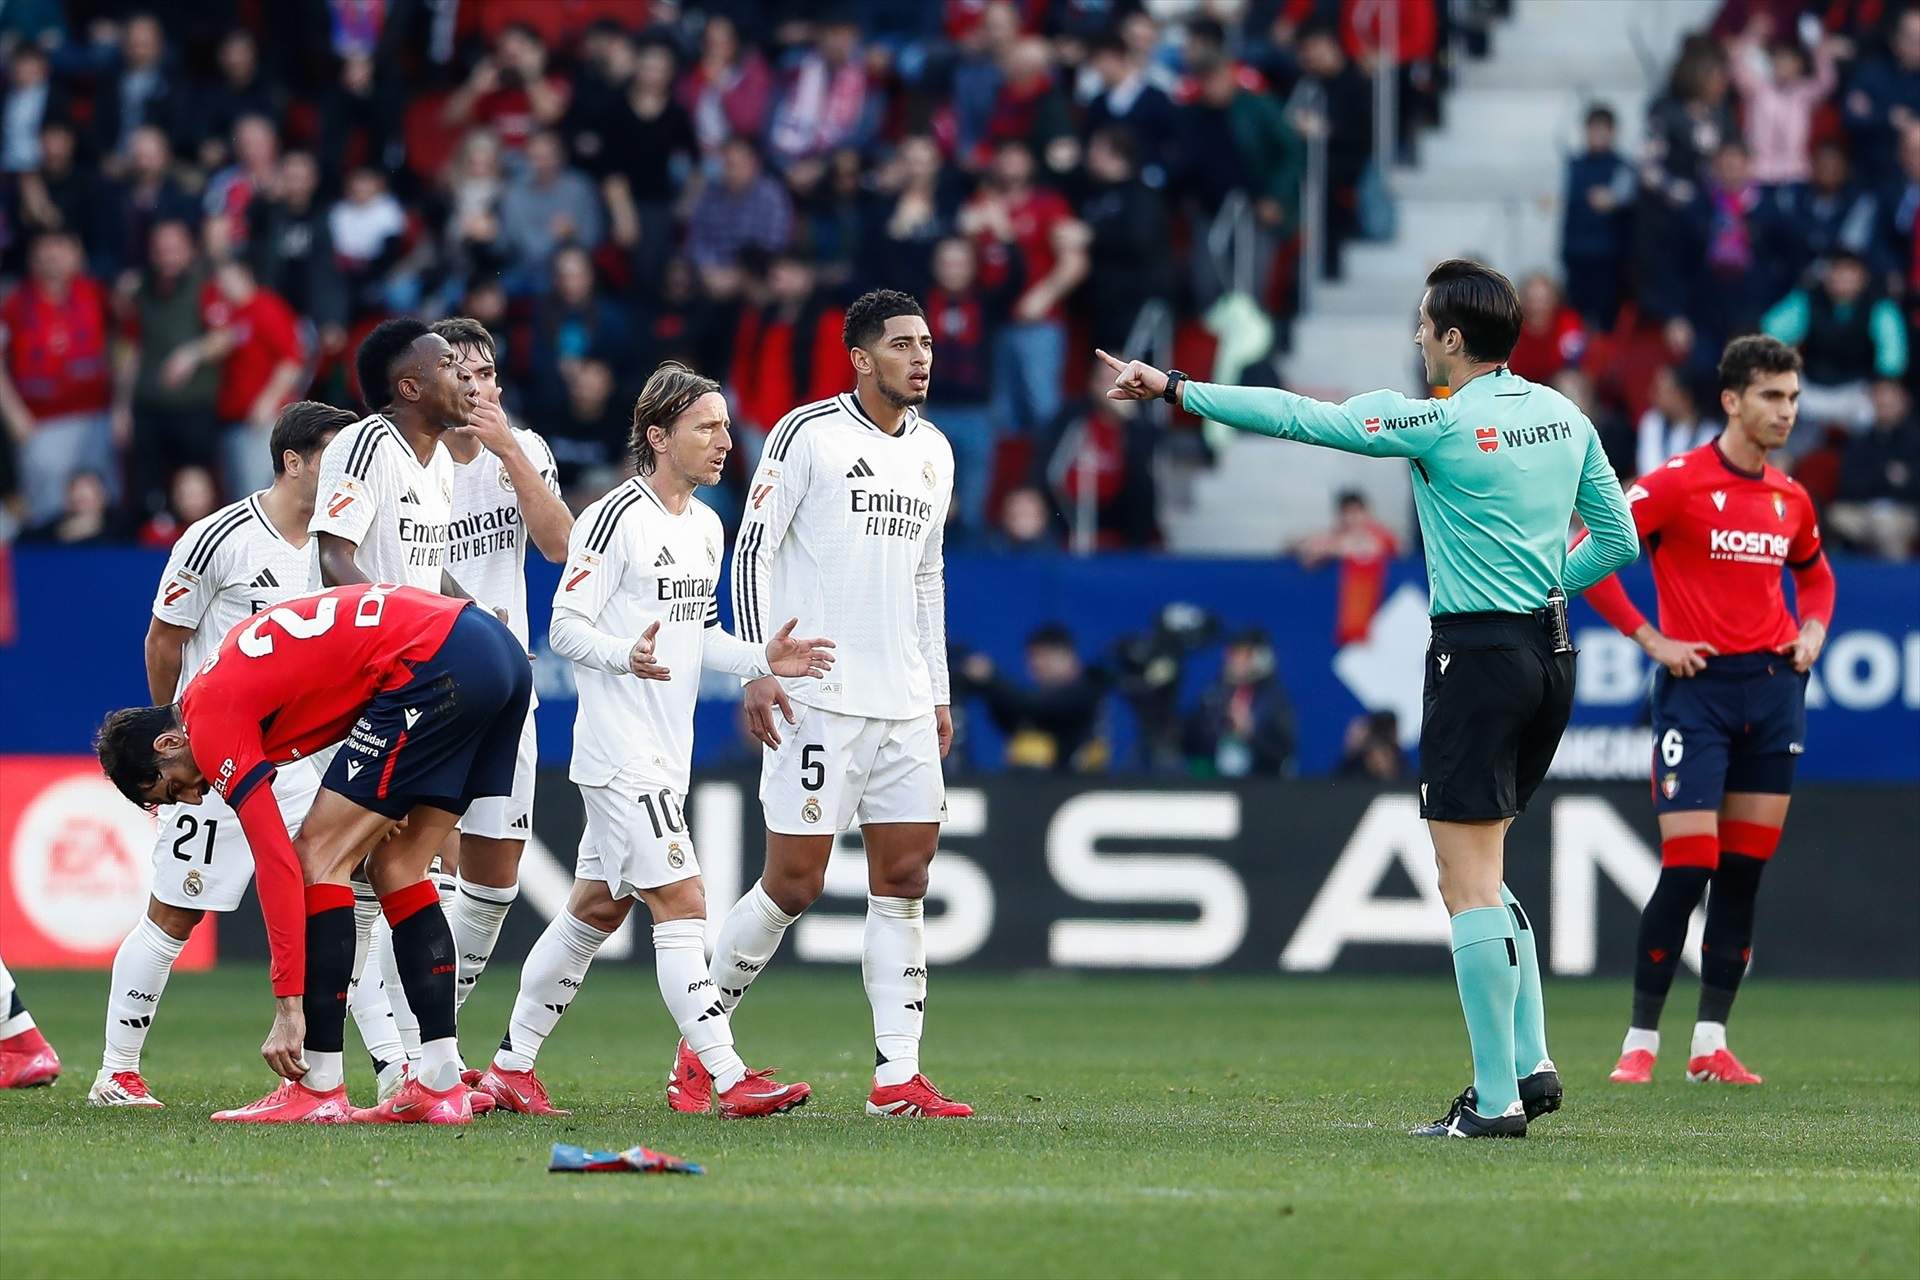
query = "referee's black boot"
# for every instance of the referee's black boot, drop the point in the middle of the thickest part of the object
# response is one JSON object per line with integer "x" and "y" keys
{"x": 1462, "y": 1121}
{"x": 1540, "y": 1092}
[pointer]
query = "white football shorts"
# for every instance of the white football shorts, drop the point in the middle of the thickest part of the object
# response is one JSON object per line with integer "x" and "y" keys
{"x": 509, "y": 817}
{"x": 831, "y": 771}
{"x": 635, "y": 842}
{"x": 201, "y": 860}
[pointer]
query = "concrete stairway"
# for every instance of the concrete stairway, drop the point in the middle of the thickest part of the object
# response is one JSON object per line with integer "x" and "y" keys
{"x": 1488, "y": 186}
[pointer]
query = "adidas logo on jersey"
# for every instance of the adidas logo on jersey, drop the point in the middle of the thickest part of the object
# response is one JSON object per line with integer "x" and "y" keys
{"x": 664, "y": 559}
{"x": 410, "y": 496}
{"x": 860, "y": 468}
{"x": 266, "y": 579}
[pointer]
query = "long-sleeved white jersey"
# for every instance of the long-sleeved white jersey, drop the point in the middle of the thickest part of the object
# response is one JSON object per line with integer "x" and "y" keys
{"x": 631, "y": 563}
{"x": 844, "y": 531}
{"x": 374, "y": 493}
{"x": 224, "y": 569}
{"x": 487, "y": 538}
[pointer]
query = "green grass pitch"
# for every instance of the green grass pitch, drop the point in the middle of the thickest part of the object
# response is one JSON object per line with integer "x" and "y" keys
{"x": 1129, "y": 1126}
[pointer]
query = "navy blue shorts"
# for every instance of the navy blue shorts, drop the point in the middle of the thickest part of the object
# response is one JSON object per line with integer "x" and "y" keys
{"x": 449, "y": 735}
{"x": 1739, "y": 725}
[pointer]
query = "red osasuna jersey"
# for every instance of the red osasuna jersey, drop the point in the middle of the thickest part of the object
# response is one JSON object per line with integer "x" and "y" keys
{"x": 1719, "y": 537}
{"x": 284, "y": 684}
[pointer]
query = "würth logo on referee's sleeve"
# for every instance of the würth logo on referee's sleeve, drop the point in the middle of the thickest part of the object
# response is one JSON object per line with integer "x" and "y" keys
{"x": 1488, "y": 438}
{"x": 1372, "y": 425}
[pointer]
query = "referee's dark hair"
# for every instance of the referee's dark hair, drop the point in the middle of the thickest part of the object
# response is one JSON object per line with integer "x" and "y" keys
{"x": 1753, "y": 357}
{"x": 373, "y": 363}
{"x": 303, "y": 429}
{"x": 125, "y": 746}
{"x": 867, "y": 317}
{"x": 465, "y": 331}
{"x": 1478, "y": 301}
{"x": 669, "y": 392}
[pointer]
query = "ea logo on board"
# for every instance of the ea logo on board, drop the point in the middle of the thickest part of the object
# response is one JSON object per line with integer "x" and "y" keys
{"x": 80, "y": 870}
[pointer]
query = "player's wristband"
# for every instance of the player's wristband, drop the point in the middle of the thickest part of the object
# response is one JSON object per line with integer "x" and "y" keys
{"x": 1172, "y": 394}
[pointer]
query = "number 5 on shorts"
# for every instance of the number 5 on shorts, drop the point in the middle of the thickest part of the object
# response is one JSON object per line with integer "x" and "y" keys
{"x": 813, "y": 770}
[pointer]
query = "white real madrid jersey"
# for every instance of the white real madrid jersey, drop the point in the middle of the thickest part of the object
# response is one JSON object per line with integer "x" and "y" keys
{"x": 375, "y": 493}
{"x": 631, "y": 563}
{"x": 487, "y": 538}
{"x": 224, "y": 569}
{"x": 843, "y": 530}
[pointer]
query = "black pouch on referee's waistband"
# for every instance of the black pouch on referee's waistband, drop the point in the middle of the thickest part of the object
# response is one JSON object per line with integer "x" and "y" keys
{"x": 1555, "y": 616}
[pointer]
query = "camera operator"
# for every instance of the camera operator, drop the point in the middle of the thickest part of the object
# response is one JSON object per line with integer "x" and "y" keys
{"x": 1053, "y": 721}
{"x": 1243, "y": 726}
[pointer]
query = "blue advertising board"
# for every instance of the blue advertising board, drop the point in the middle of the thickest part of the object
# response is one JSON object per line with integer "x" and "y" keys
{"x": 83, "y": 614}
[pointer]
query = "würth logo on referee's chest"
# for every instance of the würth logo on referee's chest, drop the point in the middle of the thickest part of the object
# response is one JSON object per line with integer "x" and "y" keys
{"x": 1372, "y": 425}
{"x": 1488, "y": 438}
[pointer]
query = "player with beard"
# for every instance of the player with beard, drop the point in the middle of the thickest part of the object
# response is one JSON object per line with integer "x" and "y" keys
{"x": 843, "y": 531}
{"x": 241, "y": 560}
{"x": 636, "y": 612}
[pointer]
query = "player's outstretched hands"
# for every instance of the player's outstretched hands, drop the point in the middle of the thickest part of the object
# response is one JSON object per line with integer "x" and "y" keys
{"x": 1679, "y": 657}
{"x": 761, "y": 697}
{"x": 282, "y": 1050}
{"x": 1806, "y": 647}
{"x": 1133, "y": 379}
{"x": 789, "y": 657}
{"x": 640, "y": 660}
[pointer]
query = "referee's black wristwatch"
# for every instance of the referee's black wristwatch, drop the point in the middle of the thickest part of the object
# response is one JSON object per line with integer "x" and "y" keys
{"x": 1172, "y": 394}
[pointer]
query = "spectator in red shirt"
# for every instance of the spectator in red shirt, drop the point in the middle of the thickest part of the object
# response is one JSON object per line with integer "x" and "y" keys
{"x": 1011, "y": 216}
{"x": 510, "y": 90}
{"x": 728, "y": 93}
{"x": 1364, "y": 547}
{"x": 55, "y": 390}
{"x": 256, "y": 338}
{"x": 787, "y": 350}
{"x": 1551, "y": 335}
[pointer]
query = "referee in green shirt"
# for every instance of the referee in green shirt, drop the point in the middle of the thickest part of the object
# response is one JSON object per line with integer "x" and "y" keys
{"x": 1499, "y": 468}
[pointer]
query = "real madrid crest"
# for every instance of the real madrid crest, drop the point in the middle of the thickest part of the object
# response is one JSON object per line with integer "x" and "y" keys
{"x": 810, "y": 811}
{"x": 506, "y": 481}
{"x": 676, "y": 856}
{"x": 193, "y": 885}
{"x": 926, "y": 474}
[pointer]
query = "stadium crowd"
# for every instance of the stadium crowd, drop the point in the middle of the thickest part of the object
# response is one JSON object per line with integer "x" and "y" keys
{"x": 1777, "y": 190}
{"x": 205, "y": 209}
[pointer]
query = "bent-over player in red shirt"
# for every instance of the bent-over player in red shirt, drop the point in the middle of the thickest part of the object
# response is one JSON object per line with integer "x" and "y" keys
{"x": 1729, "y": 692}
{"x": 428, "y": 695}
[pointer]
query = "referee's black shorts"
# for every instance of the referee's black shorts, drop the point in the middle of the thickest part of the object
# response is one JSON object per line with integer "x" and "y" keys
{"x": 1497, "y": 701}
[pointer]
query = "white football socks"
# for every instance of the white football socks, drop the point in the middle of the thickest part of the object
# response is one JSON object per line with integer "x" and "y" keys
{"x": 893, "y": 963}
{"x": 680, "y": 964}
{"x": 367, "y": 998}
{"x": 14, "y": 1020}
{"x": 140, "y": 970}
{"x": 1640, "y": 1038}
{"x": 405, "y": 1025}
{"x": 748, "y": 938}
{"x": 549, "y": 980}
{"x": 1709, "y": 1038}
{"x": 478, "y": 912}
{"x": 325, "y": 1071}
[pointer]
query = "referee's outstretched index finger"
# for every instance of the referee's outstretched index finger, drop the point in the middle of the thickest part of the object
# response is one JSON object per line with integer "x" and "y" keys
{"x": 1118, "y": 366}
